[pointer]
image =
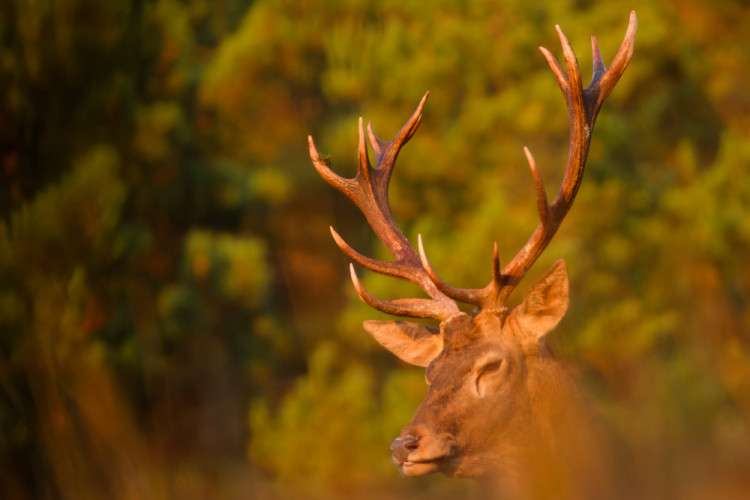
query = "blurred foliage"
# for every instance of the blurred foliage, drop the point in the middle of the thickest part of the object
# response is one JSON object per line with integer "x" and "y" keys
{"x": 175, "y": 321}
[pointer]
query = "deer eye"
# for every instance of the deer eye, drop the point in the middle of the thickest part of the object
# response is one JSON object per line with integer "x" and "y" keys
{"x": 489, "y": 375}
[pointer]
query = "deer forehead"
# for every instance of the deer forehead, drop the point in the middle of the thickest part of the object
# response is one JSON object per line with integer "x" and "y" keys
{"x": 453, "y": 366}
{"x": 463, "y": 329}
{"x": 464, "y": 333}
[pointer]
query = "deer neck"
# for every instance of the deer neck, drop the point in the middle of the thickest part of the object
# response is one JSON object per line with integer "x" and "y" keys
{"x": 568, "y": 457}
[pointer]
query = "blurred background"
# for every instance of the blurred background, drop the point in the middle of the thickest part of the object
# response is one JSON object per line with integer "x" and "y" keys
{"x": 176, "y": 322}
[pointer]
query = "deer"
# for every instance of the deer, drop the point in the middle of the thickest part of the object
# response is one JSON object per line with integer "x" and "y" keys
{"x": 501, "y": 406}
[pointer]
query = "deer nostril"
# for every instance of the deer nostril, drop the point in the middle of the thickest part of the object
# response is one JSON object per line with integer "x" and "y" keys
{"x": 402, "y": 447}
{"x": 409, "y": 442}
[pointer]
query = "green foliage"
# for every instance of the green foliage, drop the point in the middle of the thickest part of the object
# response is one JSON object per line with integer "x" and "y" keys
{"x": 235, "y": 266}
{"x": 329, "y": 416}
{"x": 57, "y": 219}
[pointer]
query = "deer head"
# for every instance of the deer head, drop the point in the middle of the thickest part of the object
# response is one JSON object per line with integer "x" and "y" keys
{"x": 498, "y": 398}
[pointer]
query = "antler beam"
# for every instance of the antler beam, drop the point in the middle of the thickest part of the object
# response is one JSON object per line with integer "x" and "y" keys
{"x": 369, "y": 191}
{"x": 583, "y": 106}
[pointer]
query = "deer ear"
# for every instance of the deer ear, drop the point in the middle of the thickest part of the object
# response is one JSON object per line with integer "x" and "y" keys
{"x": 546, "y": 302}
{"x": 412, "y": 342}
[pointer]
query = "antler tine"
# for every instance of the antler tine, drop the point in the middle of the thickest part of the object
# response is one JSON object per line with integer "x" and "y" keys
{"x": 386, "y": 152}
{"x": 379, "y": 266}
{"x": 412, "y": 308}
{"x": 541, "y": 194}
{"x": 369, "y": 191}
{"x": 609, "y": 78}
{"x": 335, "y": 181}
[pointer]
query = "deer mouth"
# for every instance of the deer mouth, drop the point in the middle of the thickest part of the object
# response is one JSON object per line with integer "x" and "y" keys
{"x": 419, "y": 456}
{"x": 421, "y": 467}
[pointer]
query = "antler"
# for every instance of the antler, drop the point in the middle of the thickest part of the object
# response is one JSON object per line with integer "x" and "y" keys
{"x": 369, "y": 191}
{"x": 583, "y": 106}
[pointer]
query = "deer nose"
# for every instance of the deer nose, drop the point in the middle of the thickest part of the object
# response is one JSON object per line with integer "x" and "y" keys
{"x": 403, "y": 446}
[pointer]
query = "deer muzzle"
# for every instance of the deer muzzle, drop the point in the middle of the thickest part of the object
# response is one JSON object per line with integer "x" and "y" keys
{"x": 421, "y": 453}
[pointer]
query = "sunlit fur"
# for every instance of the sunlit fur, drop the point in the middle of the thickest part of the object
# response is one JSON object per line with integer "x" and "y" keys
{"x": 502, "y": 408}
